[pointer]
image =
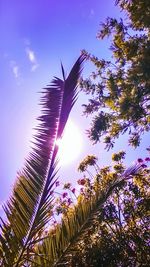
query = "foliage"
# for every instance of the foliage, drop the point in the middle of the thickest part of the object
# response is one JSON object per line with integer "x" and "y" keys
{"x": 80, "y": 234}
{"x": 120, "y": 88}
{"x": 28, "y": 209}
{"x": 106, "y": 222}
{"x": 120, "y": 234}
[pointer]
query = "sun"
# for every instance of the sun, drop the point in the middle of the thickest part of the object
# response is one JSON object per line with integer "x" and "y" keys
{"x": 70, "y": 145}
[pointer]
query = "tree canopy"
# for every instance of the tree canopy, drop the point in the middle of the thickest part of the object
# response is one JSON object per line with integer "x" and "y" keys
{"x": 119, "y": 235}
{"x": 120, "y": 88}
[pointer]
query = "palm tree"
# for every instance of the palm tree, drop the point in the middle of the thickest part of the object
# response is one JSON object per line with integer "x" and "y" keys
{"x": 28, "y": 209}
{"x": 59, "y": 248}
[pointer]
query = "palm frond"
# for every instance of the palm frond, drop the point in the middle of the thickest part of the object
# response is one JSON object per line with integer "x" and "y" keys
{"x": 57, "y": 249}
{"x": 28, "y": 208}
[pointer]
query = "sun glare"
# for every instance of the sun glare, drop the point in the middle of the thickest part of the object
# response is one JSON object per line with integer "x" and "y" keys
{"x": 70, "y": 145}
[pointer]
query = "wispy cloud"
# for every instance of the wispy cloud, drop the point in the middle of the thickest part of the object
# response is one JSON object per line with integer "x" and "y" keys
{"x": 92, "y": 13}
{"x": 32, "y": 58}
{"x": 31, "y": 55}
{"x": 15, "y": 69}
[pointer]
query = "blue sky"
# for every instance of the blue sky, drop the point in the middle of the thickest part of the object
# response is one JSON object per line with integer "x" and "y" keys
{"x": 35, "y": 36}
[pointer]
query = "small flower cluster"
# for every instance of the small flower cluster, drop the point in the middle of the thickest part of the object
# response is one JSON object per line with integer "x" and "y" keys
{"x": 90, "y": 160}
{"x": 143, "y": 161}
{"x": 69, "y": 196}
{"x": 64, "y": 201}
{"x": 118, "y": 156}
{"x": 82, "y": 181}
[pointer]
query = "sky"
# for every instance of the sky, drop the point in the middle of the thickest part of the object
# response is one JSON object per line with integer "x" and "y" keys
{"x": 36, "y": 35}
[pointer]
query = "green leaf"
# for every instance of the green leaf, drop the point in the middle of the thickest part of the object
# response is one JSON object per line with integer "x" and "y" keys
{"x": 28, "y": 208}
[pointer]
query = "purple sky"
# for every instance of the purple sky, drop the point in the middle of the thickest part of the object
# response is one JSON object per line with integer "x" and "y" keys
{"x": 35, "y": 36}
